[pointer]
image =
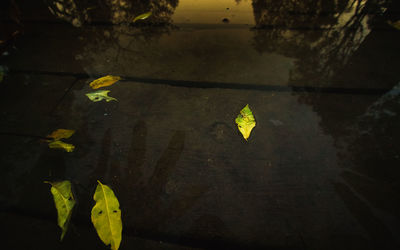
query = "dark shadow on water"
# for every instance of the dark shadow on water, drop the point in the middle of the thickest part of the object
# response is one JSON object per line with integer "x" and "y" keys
{"x": 379, "y": 234}
{"x": 380, "y": 194}
{"x": 137, "y": 153}
{"x": 148, "y": 203}
{"x": 49, "y": 167}
{"x": 102, "y": 167}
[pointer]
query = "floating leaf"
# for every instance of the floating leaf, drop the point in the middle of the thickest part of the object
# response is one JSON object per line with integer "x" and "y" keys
{"x": 104, "y": 81}
{"x": 106, "y": 216}
{"x": 64, "y": 201}
{"x": 245, "y": 121}
{"x": 61, "y": 134}
{"x": 60, "y": 144}
{"x": 395, "y": 24}
{"x": 56, "y": 137}
{"x": 142, "y": 16}
{"x": 100, "y": 95}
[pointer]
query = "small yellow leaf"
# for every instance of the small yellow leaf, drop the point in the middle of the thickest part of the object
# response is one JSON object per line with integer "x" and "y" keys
{"x": 106, "y": 216}
{"x": 395, "y": 25}
{"x": 245, "y": 122}
{"x": 100, "y": 95}
{"x": 104, "y": 81}
{"x": 64, "y": 201}
{"x": 56, "y": 137}
{"x": 60, "y": 144}
{"x": 142, "y": 16}
{"x": 61, "y": 134}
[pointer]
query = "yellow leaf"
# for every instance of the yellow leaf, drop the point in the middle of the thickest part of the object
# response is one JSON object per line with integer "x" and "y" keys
{"x": 60, "y": 144}
{"x": 100, "y": 95}
{"x": 142, "y": 16}
{"x": 106, "y": 216}
{"x": 64, "y": 201}
{"x": 395, "y": 24}
{"x": 61, "y": 134}
{"x": 104, "y": 81}
{"x": 245, "y": 122}
{"x": 56, "y": 137}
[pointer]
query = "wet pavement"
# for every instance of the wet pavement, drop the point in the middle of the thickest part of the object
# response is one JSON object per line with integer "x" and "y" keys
{"x": 319, "y": 171}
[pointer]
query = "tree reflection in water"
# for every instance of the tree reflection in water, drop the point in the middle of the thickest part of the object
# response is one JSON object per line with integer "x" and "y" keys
{"x": 322, "y": 34}
{"x": 117, "y": 40}
{"x": 116, "y": 11}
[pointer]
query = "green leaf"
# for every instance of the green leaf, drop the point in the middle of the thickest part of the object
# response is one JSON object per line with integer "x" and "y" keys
{"x": 100, "y": 95}
{"x": 60, "y": 144}
{"x": 142, "y": 16}
{"x": 64, "y": 201}
{"x": 106, "y": 216}
{"x": 245, "y": 122}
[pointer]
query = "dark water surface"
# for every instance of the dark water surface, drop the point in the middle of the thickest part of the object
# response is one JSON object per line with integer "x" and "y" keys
{"x": 320, "y": 170}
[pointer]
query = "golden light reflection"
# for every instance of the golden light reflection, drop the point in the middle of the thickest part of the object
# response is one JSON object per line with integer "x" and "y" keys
{"x": 214, "y": 12}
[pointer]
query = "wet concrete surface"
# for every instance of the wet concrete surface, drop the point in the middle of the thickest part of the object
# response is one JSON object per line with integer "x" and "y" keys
{"x": 320, "y": 170}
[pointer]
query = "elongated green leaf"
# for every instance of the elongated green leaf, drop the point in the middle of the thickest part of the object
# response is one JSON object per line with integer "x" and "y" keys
{"x": 64, "y": 201}
{"x": 106, "y": 216}
{"x": 245, "y": 121}
{"x": 142, "y": 16}
{"x": 60, "y": 144}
